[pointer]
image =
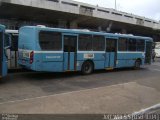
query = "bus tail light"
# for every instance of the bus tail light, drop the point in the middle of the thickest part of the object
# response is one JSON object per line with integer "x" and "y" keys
{"x": 31, "y": 57}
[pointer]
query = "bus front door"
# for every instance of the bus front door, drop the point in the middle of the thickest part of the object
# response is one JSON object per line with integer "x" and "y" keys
{"x": 111, "y": 53}
{"x": 70, "y": 52}
{"x": 1, "y": 52}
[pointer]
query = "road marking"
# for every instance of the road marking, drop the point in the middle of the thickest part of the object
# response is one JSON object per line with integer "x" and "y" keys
{"x": 154, "y": 107}
{"x": 156, "y": 65}
{"x": 65, "y": 93}
{"x": 155, "y": 69}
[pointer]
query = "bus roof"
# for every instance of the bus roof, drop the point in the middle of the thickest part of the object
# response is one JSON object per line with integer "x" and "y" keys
{"x": 84, "y": 31}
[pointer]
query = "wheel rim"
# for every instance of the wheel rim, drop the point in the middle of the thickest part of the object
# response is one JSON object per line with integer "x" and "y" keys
{"x": 87, "y": 67}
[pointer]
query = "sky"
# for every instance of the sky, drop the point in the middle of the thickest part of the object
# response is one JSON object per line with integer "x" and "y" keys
{"x": 145, "y": 8}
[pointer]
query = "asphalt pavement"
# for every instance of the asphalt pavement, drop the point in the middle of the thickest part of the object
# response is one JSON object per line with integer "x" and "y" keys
{"x": 118, "y": 91}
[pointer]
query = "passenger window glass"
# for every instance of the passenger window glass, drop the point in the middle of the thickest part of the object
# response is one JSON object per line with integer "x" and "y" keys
{"x": 98, "y": 43}
{"x": 122, "y": 44}
{"x": 140, "y": 45}
{"x": 70, "y": 43}
{"x": 50, "y": 40}
{"x": 132, "y": 45}
{"x": 111, "y": 45}
{"x": 85, "y": 42}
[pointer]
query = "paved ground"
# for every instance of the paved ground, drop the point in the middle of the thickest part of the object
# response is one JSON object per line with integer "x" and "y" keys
{"x": 118, "y": 91}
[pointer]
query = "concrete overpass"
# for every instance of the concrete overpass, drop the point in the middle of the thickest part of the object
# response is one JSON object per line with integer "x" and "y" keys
{"x": 71, "y": 14}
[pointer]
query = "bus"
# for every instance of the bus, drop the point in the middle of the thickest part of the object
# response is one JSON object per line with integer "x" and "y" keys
{"x": 47, "y": 49}
{"x": 4, "y": 45}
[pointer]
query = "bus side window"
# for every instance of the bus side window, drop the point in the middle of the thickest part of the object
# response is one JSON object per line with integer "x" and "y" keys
{"x": 85, "y": 42}
{"x": 70, "y": 44}
{"x": 98, "y": 43}
{"x": 111, "y": 45}
{"x": 132, "y": 44}
{"x": 122, "y": 44}
{"x": 50, "y": 40}
{"x": 140, "y": 45}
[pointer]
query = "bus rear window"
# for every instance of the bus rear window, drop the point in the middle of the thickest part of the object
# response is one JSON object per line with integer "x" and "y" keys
{"x": 49, "y": 40}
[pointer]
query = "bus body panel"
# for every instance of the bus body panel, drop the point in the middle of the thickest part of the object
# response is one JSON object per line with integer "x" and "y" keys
{"x": 98, "y": 58}
{"x": 51, "y": 62}
{"x": 127, "y": 59}
{"x": 95, "y": 56}
{"x": 27, "y": 44}
{"x": 51, "y": 67}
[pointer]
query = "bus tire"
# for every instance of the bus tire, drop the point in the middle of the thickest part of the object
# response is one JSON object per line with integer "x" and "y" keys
{"x": 87, "y": 68}
{"x": 137, "y": 64}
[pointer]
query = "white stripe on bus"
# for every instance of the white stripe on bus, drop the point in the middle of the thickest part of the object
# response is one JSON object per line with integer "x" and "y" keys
{"x": 130, "y": 52}
{"x": 90, "y": 51}
{"x": 24, "y": 50}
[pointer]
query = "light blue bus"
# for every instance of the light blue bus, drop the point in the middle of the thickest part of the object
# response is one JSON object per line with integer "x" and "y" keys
{"x": 59, "y": 50}
{"x": 4, "y": 45}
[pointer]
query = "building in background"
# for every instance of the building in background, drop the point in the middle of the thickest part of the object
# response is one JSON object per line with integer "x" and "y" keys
{"x": 73, "y": 15}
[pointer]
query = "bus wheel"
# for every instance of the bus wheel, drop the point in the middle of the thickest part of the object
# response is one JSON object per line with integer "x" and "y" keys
{"x": 137, "y": 64}
{"x": 87, "y": 68}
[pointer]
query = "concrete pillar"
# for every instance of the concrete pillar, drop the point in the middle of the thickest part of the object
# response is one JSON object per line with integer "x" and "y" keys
{"x": 73, "y": 25}
{"x": 108, "y": 29}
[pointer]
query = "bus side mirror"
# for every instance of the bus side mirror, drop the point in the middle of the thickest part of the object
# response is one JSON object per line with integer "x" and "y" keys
{"x": 7, "y": 42}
